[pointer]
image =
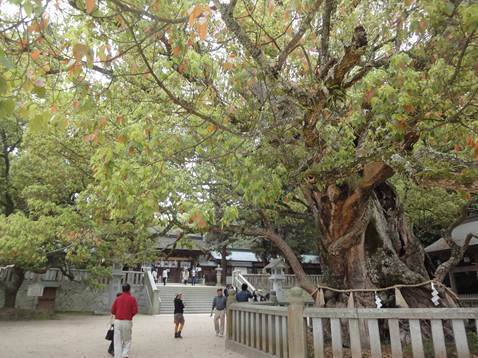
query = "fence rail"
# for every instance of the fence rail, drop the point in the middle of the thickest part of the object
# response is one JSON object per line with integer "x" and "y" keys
{"x": 261, "y": 281}
{"x": 297, "y": 331}
{"x": 258, "y": 328}
{"x": 366, "y": 327}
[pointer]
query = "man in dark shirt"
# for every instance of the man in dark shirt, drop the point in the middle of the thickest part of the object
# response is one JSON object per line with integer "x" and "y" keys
{"x": 219, "y": 303}
{"x": 124, "y": 308}
{"x": 178, "y": 315}
{"x": 244, "y": 295}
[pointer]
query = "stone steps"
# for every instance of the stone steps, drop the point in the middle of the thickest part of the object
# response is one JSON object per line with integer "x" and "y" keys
{"x": 197, "y": 299}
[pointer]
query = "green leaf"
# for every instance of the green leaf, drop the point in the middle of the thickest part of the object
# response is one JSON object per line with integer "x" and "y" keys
{"x": 39, "y": 122}
{"x": 3, "y": 85}
{"x": 6, "y": 62}
{"x": 7, "y": 107}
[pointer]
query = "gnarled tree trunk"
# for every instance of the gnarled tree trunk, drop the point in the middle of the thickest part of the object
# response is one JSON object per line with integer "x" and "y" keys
{"x": 367, "y": 243}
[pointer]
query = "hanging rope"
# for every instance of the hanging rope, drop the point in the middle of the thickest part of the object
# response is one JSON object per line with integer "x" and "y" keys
{"x": 426, "y": 283}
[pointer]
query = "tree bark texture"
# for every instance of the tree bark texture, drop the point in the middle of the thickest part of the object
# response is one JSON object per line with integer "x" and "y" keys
{"x": 224, "y": 264}
{"x": 11, "y": 287}
{"x": 367, "y": 243}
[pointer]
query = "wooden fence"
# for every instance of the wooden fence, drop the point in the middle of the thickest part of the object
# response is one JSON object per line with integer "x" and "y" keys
{"x": 396, "y": 321}
{"x": 297, "y": 332}
{"x": 258, "y": 330}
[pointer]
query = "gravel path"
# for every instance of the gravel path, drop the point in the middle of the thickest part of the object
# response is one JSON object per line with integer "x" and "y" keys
{"x": 82, "y": 336}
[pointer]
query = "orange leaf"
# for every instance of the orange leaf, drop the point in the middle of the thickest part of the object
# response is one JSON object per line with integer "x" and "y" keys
{"x": 90, "y": 6}
{"x": 202, "y": 28}
{"x": 228, "y": 66}
{"x": 120, "y": 119}
{"x": 34, "y": 27}
{"x": 53, "y": 108}
{"x": 103, "y": 122}
{"x": 76, "y": 104}
{"x": 195, "y": 12}
{"x": 156, "y": 6}
{"x": 271, "y": 7}
{"x": 410, "y": 108}
{"x": 469, "y": 141}
{"x": 182, "y": 68}
{"x": 422, "y": 25}
{"x": 121, "y": 138}
{"x": 79, "y": 50}
{"x": 198, "y": 219}
{"x": 176, "y": 51}
{"x": 211, "y": 128}
{"x": 35, "y": 54}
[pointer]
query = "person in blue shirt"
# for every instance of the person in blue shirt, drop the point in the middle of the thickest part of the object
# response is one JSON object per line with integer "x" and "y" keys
{"x": 244, "y": 295}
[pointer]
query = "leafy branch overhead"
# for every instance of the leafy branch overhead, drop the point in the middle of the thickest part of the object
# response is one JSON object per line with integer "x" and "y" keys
{"x": 296, "y": 114}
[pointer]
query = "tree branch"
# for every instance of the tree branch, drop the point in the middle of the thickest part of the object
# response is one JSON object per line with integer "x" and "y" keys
{"x": 176, "y": 100}
{"x": 305, "y": 24}
{"x": 227, "y": 13}
{"x": 286, "y": 250}
{"x": 129, "y": 8}
{"x": 325, "y": 33}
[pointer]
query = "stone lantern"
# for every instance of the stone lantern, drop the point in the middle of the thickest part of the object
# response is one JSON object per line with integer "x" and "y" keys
{"x": 277, "y": 277}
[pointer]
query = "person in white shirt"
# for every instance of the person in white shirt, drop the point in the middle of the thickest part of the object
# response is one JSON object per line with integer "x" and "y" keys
{"x": 165, "y": 276}
{"x": 193, "y": 276}
{"x": 155, "y": 275}
{"x": 185, "y": 276}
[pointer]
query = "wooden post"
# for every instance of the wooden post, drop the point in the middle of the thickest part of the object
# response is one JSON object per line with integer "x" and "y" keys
{"x": 296, "y": 332}
{"x": 231, "y": 298}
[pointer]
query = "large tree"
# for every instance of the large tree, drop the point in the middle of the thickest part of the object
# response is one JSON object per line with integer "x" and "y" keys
{"x": 302, "y": 108}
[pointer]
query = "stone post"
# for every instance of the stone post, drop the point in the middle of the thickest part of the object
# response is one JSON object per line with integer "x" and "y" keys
{"x": 218, "y": 276}
{"x": 296, "y": 332}
{"x": 115, "y": 283}
{"x": 231, "y": 298}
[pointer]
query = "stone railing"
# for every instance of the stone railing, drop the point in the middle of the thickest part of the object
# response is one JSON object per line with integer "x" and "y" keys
{"x": 298, "y": 332}
{"x": 152, "y": 292}
{"x": 238, "y": 279}
{"x": 134, "y": 278}
{"x": 261, "y": 281}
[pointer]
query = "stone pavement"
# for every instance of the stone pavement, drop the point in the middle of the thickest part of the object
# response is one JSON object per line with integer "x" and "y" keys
{"x": 82, "y": 336}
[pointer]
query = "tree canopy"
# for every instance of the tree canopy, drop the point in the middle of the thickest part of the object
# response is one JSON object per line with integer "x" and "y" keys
{"x": 300, "y": 110}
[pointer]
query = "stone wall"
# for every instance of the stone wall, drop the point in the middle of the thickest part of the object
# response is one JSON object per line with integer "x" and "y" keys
{"x": 76, "y": 296}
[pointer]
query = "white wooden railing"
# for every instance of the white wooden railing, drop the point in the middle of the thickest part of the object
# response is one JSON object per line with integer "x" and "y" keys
{"x": 296, "y": 331}
{"x": 335, "y": 320}
{"x": 257, "y": 330}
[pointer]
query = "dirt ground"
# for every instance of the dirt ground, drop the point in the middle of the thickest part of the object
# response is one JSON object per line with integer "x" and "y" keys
{"x": 82, "y": 336}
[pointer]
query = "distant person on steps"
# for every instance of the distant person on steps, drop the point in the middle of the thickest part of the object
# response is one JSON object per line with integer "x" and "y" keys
{"x": 185, "y": 276}
{"x": 165, "y": 276}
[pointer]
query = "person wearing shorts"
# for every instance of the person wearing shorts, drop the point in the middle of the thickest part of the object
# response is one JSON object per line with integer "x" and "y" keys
{"x": 178, "y": 315}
